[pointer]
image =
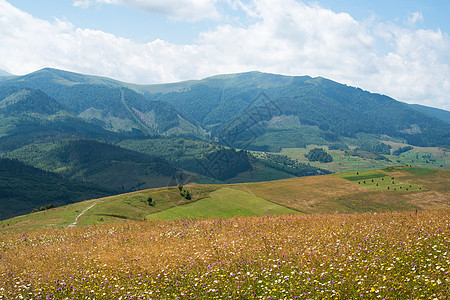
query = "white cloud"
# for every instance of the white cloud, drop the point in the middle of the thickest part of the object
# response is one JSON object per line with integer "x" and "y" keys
{"x": 414, "y": 18}
{"x": 288, "y": 38}
{"x": 417, "y": 69}
{"x": 191, "y": 10}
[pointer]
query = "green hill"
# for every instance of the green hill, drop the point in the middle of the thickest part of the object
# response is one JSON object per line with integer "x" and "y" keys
{"x": 108, "y": 103}
{"x": 413, "y": 188}
{"x": 223, "y": 203}
{"x": 268, "y": 111}
{"x": 222, "y": 129}
{"x": 103, "y": 164}
{"x": 24, "y": 188}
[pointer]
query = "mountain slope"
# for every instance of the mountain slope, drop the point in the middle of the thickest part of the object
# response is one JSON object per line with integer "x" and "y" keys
{"x": 24, "y": 188}
{"x": 257, "y": 104}
{"x": 4, "y": 73}
{"x": 441, "y": 114}
{"x": 269, "y": 111}
{"x": 28, "y": 116}
{"x": 108, "y": 103}
{"x": 103, "y": 164}
{"x": 414, "y": 188}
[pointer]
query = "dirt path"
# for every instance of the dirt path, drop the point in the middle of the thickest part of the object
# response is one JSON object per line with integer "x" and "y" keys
{"x": 79, "y": 215}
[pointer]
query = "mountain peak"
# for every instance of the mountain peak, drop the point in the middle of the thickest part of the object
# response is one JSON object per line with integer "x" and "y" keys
{"x": 15, "y": 100}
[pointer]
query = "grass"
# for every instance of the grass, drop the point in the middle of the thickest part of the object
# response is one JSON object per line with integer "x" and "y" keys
{"x": 411, "y": 170}
{"x": 223, "y": 203}
{"x": 327, "y": 256}
{"x": 57, "y": 217}
{"x": 377, "y": 181}
{"x": 316, "y": 194}
{"x": 341, "y": 162}
{"x": 424, "y": 157}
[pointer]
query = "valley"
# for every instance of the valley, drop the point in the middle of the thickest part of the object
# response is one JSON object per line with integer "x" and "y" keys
{"x": 244, "y": 186}
{"x": 235, "y": 128}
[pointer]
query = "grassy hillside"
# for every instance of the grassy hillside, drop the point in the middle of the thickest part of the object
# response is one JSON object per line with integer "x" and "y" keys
{"x": 340, "y": 193}
{"x": 428, "y": 157}
{"x": 223, "y": 203}
{"x": 295, "y": 239}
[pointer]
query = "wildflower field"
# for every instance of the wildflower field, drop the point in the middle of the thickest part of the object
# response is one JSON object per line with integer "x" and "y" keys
{"x": 401, "y": 255}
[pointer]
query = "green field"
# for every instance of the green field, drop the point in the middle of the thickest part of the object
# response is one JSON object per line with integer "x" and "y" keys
{"x": 223, "y": 203}
{"x": 438, "y": 158}
{"x": 378, "y": 181}
{"x": 413, "y": 188}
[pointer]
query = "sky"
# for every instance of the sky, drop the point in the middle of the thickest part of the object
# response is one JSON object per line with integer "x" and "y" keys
{"x": 398, "y": 48}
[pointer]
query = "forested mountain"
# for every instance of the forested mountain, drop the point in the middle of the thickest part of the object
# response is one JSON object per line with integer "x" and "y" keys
{"x": 4, "y": 73}
{"x": 108, "y": 103}
{"x": 265, "y": 104}
{"x": 24, "y": 188}
{"x": 29, "y": 116}
{"x": 441, "y": 114}
{"x": 268, "y": 109}
{"x": 103, "y": 164}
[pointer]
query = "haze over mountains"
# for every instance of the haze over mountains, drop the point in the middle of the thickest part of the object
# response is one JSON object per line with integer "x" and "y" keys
{"x": 123, "y": 136}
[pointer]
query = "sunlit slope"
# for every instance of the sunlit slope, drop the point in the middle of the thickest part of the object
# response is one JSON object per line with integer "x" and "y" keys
{"x": 339, "y": 193}
{"x": 225, "y": 202}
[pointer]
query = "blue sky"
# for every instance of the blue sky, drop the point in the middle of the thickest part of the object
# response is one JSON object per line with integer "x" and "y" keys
{"x": 399, "y": 48}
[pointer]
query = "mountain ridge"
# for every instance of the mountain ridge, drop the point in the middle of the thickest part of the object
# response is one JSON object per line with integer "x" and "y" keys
{"x": 211, "y": 106}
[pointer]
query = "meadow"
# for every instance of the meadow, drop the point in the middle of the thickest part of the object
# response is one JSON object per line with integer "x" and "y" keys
{"x": 431, "y": 157}
{"x": 401, "y": 255}
{"x": 349, "y": 192}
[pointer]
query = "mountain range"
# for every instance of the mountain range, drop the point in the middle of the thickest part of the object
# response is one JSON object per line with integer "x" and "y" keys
{"x": 121, "y": 136}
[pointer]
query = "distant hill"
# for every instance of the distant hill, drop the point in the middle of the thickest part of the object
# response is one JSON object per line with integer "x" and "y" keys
{"x": 29, "y": 116}
{"x": 273, "y": 111}
{"x": 4, "y": 73}
{"x": 108, "y": 103}
{"x": 103, "y": 164}
{"x": 269, "y": 111}
{"x": 24, "y": 188}
{"x": 441, "y": 114}
{"x": 129, "y": 137}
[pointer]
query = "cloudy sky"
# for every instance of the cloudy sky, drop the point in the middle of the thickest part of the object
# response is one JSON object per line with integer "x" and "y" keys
{"x": 400, "y": 48}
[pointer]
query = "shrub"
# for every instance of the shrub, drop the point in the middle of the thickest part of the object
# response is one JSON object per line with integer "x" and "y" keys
{"x": 186, "y": 194}
{"x": 318, "y": 154}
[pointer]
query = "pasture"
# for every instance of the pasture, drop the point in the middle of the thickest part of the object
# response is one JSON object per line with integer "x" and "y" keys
{"x": 401, "y": 255}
